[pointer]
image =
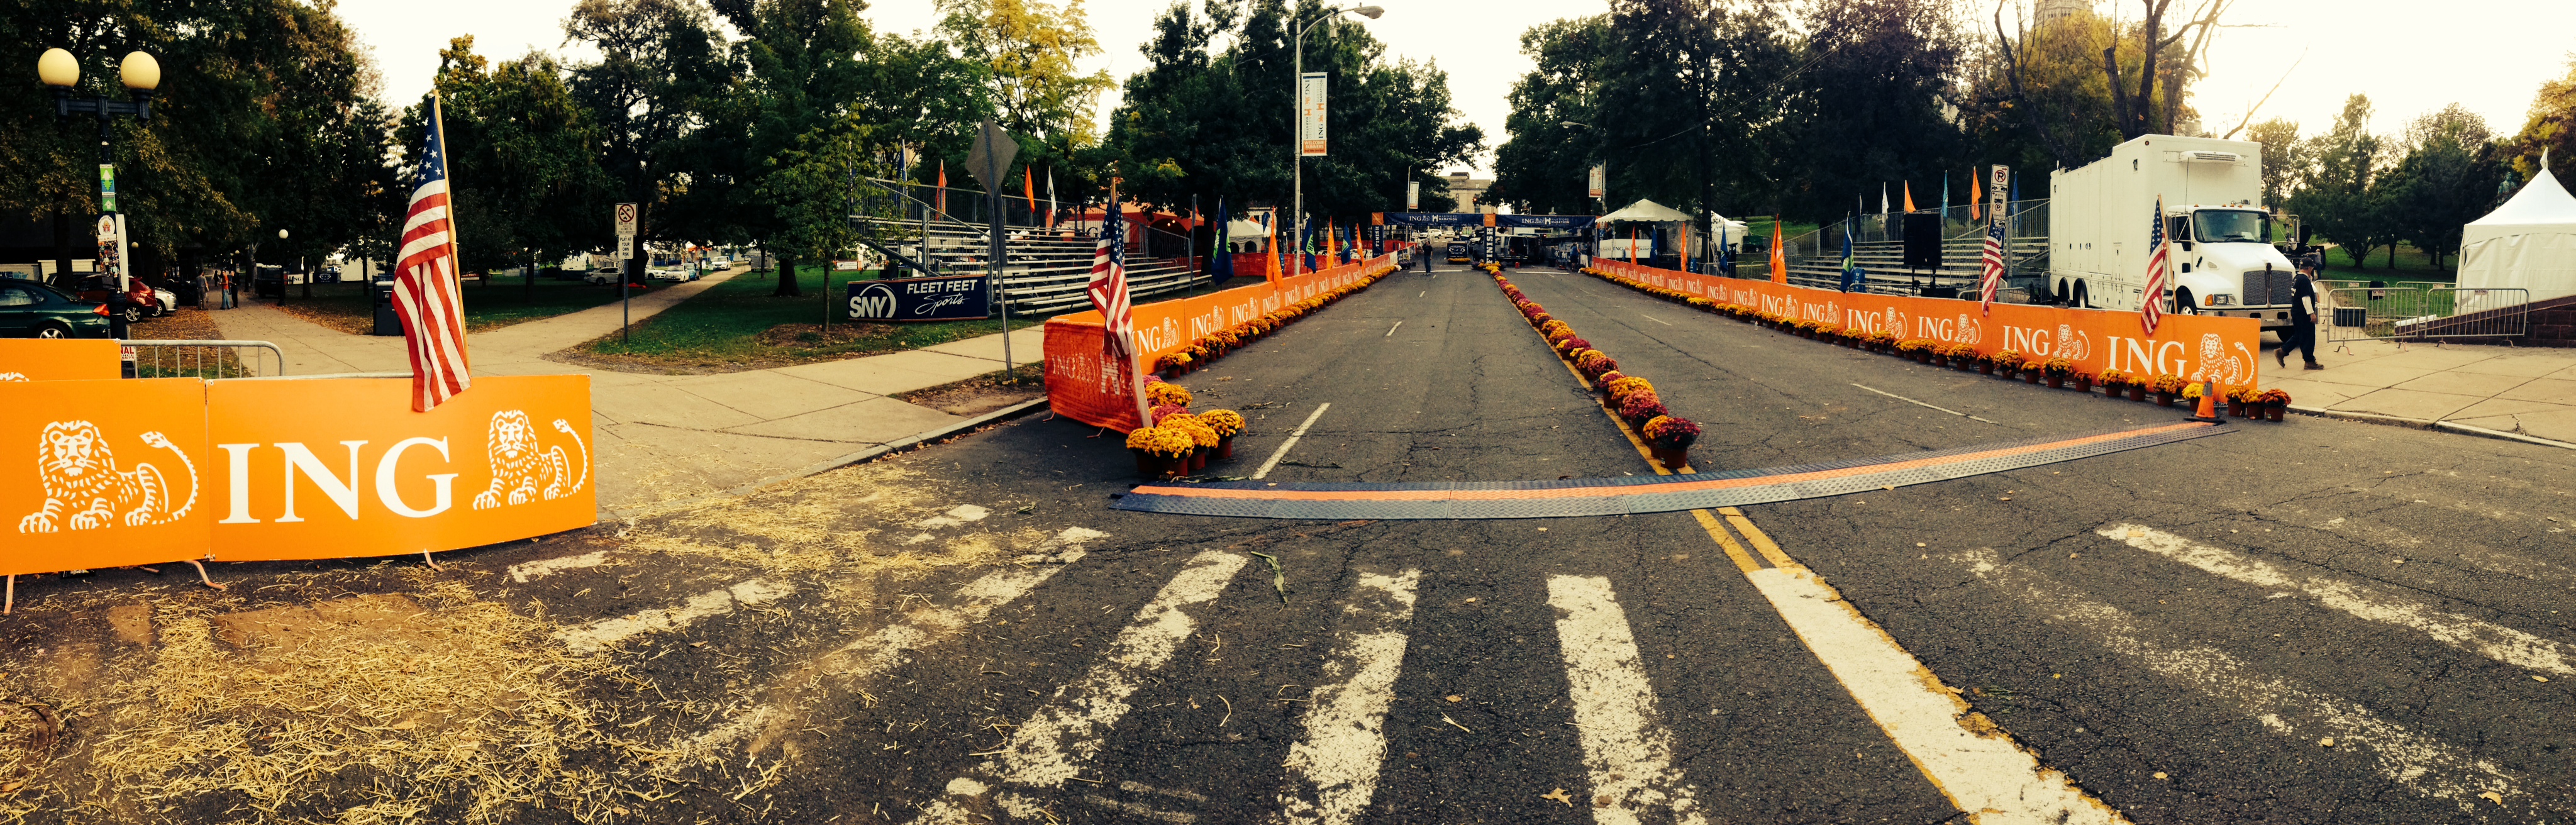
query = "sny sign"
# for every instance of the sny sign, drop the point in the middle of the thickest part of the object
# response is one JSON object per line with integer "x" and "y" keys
{"x": 921, "y": 299}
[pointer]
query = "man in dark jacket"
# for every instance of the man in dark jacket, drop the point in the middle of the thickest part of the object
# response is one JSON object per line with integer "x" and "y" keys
{"x": 2301, "y": 334}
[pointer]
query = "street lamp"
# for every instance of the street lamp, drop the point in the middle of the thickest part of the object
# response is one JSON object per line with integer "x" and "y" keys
{"x": 281, "y": 271}
{"x": 1297, "y": 140}
{"x": 141, "y": 74}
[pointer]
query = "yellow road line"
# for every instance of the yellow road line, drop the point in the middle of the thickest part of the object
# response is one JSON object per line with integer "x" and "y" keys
{"x": 1761, "y": 541}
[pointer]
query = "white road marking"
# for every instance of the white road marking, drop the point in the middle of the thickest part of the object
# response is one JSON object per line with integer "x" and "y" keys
{"x": 1422, "y": 293}
{"x": 1282, "y": 452}
{"x": 1390, "y": 331}
{"x": 542, "y": 568}
{"x": 1982, "y": 771}
{"x": 2485, "y": 638}
{"x": 2422, "y": 764}
{"x": 1654, "y": 319}
{"x": 598, "y": 635}
{"x": 960, "y": 514}
{"x": 1051, "y": 747}
{"x": 1628, "y": 752}
{"x": 1333, "y": 773}
{"x": 1926, "y": 406}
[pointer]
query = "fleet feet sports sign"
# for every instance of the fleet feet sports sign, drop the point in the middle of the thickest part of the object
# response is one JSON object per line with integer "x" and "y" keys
{"x": 141, "y": 471}
{"x": 922, "y": 299}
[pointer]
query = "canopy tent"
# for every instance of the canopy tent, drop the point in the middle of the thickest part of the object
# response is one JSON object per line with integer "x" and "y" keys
{"x": 2528, "y": 243}
{"x": 1647, "y": 211}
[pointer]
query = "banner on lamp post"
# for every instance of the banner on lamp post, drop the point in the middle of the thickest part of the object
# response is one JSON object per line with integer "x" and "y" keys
{"x": 1600, "y": 181}
{"x": 1413, "y": 195}
{"x": 1310, "y": 115}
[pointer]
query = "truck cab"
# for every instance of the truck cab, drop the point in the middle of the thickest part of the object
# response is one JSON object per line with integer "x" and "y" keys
{"x": 2222, "y": 254}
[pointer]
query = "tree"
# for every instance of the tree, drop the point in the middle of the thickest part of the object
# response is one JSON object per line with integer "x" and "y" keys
{"x": 1694, "y": 81}
{"x": 661, "y": 66}
{"x": 522, "y": 158}
{"x": 2340, "y": 199}
{"x": 2284, "y": 165}
{"x": 1545, "y": 166}
{"x": 1873, "y": 103}
{"x": 2552, "y": 127}
{"x": 1203, "y": 123}
{"x": 804, "y": 76}
{"x": 1029, "y": 48}
{"x": 262, "y": 121}
{"x": 2446, "y": 179}
{"x": 2039, "y": 97}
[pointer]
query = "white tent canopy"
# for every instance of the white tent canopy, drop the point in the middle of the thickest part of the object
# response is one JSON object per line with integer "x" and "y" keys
{"x": 2528, "y": 243}
{"x": 1647, "y": 211}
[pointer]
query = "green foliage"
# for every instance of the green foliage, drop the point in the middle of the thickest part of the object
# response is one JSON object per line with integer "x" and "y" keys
{"x": 1545, "y": 166}
{"x": 522, "y": 159}
{"x": 2060, "y": 113}
{"x": 2340, "y": 201}
{"x": 723, "y": 327}
{"x": 1204, "y": 122}
{"x": 1870, "y": 105}
{"x": 1028, "y": 49}
{"x": 2283, "y": 160}
{"x": 2447, "y": 178}
{"x": 2552, "y": 127}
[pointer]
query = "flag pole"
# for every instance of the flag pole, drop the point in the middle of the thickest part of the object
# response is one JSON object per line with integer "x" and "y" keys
{"x": 1135, "y": 356}
{"x": 456, "y": 277}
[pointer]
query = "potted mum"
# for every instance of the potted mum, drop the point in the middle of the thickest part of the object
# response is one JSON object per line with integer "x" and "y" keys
{"x": 2057, "y": 370}
{"x": 2114, "y": 382}
{"x": 1227, "y": 424}
{"x": 2083, "y": 382}
{"x": 1160, "y": 453}
{"x": 1640, "y": 407}
{"x": 2274, "y": 402}
{"x": 1202, "y": 437}
{"x": 2167, "y": 388}
{"x": 1670, "y": 438}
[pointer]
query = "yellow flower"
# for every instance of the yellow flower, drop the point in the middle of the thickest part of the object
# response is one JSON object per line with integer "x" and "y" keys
{"x": 1167, "y": 393}
{"x": 1225, "y": 422}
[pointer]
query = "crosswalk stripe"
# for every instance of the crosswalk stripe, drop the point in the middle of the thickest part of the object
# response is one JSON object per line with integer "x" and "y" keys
{"x": 1053, "y": 745}
{"x": 2419, "y": 763}
{"x": 599, "y": 635}
{"x": 1627, "y": 750}
{"x": 1982, "y": 771}
{"x": 1332, "y": 774}
{"x": 2485, "y": 638}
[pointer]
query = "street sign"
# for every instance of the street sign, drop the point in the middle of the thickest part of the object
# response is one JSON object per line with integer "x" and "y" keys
{"x": 1310, "y": 115}
{"x": 991, "y": 156}
{"x": 625, "y": 231}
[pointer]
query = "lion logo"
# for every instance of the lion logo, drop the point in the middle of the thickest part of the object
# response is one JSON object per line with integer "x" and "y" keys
{"x": 13, "y": 376}
{"x": 1969, "y": 329}
{"x": 521, "y": 471}
{"x": 85, "y": 491}
{"x": 2217, "y": 365}
{"x": 2072, "y": 345}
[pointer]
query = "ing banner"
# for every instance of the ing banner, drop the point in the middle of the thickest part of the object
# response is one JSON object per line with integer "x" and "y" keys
{"x": 2191, "y": 347}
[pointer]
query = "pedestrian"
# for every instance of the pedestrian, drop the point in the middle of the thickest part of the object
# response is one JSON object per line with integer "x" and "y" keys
{"x": 2302, "y": 331}
{"x": 1426, "y": 258}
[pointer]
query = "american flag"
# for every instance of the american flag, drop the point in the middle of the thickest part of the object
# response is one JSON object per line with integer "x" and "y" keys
{"x": 2151, "y": 311}
{"x": 1109, "y": 283}
{"x": 425, "y": 285}
{"x": 1991, "y": 280}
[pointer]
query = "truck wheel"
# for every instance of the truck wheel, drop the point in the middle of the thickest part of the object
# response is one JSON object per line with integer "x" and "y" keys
{"x": 2083, "y": 298}
{"x": 2061, "y": 293}
{"x": 2183, "y": 303}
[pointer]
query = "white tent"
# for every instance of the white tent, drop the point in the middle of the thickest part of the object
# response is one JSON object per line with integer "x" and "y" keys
{"x": 1647, "y": 211}
{"x": 2528, "y": 243}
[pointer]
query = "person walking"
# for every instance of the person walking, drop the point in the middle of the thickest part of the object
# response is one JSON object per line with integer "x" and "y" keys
{"x": 2301, "y": 334}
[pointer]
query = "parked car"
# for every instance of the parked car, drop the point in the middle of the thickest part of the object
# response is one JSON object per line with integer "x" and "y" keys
{"x": 141, "y": 300}
{"x": 29, "y": 309}
{"x": 673, "y": 273}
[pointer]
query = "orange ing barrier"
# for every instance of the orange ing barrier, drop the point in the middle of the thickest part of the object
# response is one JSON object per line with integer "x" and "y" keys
{"x": 60, "y": 359}
{"x": 133, "y": 472}
{"x": 2193, "y": 347}
{"x": 1083, "y": 384}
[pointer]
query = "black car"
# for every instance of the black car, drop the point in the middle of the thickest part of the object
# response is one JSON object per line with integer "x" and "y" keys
{"x": 33, "y": 310}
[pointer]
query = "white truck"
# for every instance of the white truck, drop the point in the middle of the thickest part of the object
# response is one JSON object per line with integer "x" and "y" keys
{"x": 2223, "y": 259}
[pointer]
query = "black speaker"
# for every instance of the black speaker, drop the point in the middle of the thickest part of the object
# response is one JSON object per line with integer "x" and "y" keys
{"x": 1923, "y": 240}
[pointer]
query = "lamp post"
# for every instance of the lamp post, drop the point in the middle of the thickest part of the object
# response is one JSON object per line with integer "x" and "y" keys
{"x": 141, "y": 74}
{"x": 281, "y": 270}
{"x": 1296, "y": 139}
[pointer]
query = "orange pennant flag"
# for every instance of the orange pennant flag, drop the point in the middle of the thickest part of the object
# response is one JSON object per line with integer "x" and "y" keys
{"x": 1029, "y": 188}
{"x": 1976, "y": 197}
{"x": 1779, "y": 260}
{"x": 1909, "y": 196}
{"x": 1272, "y": 243}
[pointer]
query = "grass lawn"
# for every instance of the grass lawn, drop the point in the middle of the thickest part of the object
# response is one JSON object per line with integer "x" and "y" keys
{"x": 737, "y": 325}
{"x": 491, "y": 304}
{"x": 2412, "y": 265}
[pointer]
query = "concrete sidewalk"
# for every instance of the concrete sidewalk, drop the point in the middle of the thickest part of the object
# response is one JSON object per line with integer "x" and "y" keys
{"x": 664, "y": 438}
{"x": 2520, "y": 391}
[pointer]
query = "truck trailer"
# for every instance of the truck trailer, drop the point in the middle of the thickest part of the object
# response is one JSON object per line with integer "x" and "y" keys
{"x": 2222, "y": 256}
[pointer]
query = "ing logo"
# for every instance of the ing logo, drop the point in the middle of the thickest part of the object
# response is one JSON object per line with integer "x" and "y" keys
{"x": 13, "y": 376}
{"x": 85, "y": 491}
{"x": 524, "y": 470}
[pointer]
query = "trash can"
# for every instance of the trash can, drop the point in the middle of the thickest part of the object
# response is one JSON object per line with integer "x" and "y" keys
{"x": 387, "y": 323}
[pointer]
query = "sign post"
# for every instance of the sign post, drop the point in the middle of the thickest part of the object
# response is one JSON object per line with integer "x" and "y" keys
{"x": 625, "y": 252}
{"x": 992, "y": 156}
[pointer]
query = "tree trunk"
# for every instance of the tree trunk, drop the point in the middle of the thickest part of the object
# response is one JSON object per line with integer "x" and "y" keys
{"x": 787, "y": 285}
{"x": 531, "y": 276}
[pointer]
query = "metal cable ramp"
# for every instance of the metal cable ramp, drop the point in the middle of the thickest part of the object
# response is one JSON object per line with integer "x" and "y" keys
{"x": 1639, "y": 494}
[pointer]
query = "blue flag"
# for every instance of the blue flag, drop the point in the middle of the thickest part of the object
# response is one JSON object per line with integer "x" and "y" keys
{"x": 1851, "y": 274}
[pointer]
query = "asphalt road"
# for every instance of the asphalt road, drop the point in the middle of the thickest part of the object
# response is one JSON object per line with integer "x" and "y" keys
{"x": 2173, "y": 634}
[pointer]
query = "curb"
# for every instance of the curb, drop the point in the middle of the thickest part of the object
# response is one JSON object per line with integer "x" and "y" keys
{"x": 2423, "y": 424}
{"x": 860, "y": 457}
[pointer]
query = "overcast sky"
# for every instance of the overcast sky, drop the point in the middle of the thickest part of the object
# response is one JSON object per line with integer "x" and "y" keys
{"x": 2410, "y": 57}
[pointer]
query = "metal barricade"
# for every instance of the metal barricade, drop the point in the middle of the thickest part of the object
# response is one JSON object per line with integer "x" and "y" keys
{"x": 2437, "y": 312}
{"x": 203, "y": 359}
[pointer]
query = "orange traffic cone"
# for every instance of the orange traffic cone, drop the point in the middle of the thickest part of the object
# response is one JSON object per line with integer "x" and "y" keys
{"x": 2208, "y": 403}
